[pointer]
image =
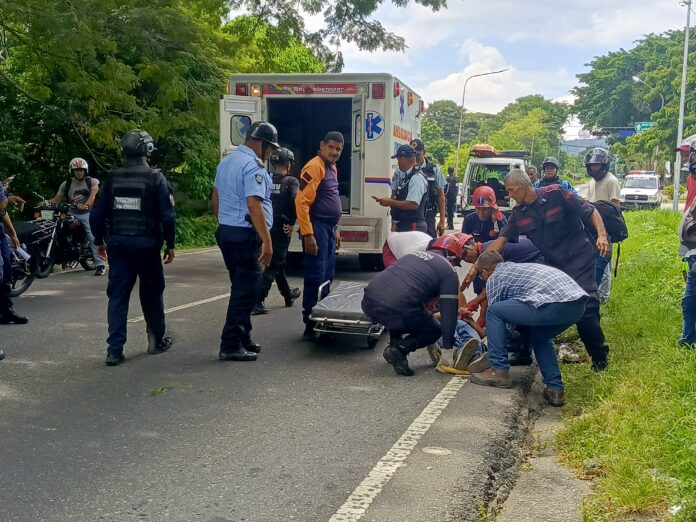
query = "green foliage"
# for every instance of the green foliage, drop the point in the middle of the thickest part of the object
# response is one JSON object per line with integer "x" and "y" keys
{"x": 196, "y": 232}
{"x": 668, "y": 191}
{"x": 639, "y": 417}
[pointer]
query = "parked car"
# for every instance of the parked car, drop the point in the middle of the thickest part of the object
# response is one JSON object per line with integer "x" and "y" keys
{"x": 641, "y": 191}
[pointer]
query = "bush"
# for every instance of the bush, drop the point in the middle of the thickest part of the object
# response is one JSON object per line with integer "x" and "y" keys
{"x": 195, "y": 232}
{"x": 668, "y": 191}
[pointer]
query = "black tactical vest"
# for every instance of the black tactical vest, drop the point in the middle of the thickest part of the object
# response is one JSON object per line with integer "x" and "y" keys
{"x": 282, "y": 200}
{"x": 428, "y": 171}
{"x": 401, "y": 193}
{"x": 133, "y": 206}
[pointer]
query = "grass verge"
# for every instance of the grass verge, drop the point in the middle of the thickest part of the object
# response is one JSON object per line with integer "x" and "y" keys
{"x": 638, "y": 420}
{"x": 195, "y": 232}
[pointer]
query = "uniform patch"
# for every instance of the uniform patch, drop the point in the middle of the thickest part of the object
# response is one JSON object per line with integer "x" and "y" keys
{"x": 171, "y": 200}
{"x": 259, "y": 178}
{"x": 553, "y": 211}
{"x": 123, "y": 203}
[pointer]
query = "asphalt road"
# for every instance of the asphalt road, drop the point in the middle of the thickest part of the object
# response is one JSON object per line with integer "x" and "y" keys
{"x": 183, "y": 436}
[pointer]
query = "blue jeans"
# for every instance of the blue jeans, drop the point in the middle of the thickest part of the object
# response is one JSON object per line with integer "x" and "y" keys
{"x": 688, "y": 335}
{"x": 83, "y": 218}
{"x": 320, "y": 268}
{"x": 546, "y": 321}
{"x": 462, "y": 333}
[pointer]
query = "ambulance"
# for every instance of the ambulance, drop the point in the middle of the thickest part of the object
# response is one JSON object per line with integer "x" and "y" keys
{"x": 376, "y": 113}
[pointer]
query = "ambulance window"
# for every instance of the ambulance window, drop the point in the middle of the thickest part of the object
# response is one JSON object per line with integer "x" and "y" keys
{"x": 357, "y": 131}
{"x": 239, "y": 125}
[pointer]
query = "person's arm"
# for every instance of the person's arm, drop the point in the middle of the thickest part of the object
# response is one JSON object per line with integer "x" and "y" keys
{"x": 495, "y": 246}
{"x": 258, "y": 219}
{"x": 602, "y": 241}
{"x": 168, "y": 218}
{"x": 92, "y": 196}
{"x": 216, "y": 202}
{"x": 443, "y": 211}
{"x": 477, "y": 327}
{"x": 311, "y": 176}
{"x": 9, "y": 230}
{"x": 401, "y": 205}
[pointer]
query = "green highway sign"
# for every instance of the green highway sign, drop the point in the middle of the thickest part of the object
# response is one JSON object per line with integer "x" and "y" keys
{"x": 642, "y": 126}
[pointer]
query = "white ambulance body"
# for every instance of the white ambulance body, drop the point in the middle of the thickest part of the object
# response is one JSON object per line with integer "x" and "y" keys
{"x": 376, "y": 113}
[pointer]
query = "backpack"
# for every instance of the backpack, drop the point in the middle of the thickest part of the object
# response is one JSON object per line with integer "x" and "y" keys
{"x": 88, "y": 182}
{"x": 614, "y": 224}
{"x": 429, "y": 173}
{"x": 688, "y": 230}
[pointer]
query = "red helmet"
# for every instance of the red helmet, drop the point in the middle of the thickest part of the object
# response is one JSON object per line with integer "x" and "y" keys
{"x": 484, "y": 196}
{"x": 464, "y": 239}
{"x": 451, "y": 245}
{"x": 78, "y": 163}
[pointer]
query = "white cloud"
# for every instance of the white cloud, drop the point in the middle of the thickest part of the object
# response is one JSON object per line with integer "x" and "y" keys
{"x": 492, "y": 93}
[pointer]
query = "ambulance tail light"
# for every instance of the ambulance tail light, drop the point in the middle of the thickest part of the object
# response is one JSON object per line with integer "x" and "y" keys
{"x": 378, "y": 91}
{"x": 354, "y": 236}
{"x": 242, "y": 89}
{"x": 422, "y": 106}
{"x": 397, "y": 89}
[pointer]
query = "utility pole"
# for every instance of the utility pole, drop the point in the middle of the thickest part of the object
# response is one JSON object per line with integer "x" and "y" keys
{"x": 682, "y": 96}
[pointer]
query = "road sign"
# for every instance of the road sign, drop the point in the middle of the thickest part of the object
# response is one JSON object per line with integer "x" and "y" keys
{"x": 642, "y": 126}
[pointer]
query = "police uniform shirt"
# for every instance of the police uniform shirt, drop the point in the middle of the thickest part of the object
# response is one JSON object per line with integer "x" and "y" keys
{"x": 440, "y": 180}
{"x": 397, "y": 178}
{"x": 553, "y": 222}
{"x": 417, "y": 187}
{"x": 239, "y": 176}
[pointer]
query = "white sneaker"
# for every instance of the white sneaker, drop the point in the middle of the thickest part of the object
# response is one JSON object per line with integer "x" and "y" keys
{"x": 465, "y": 354}
{"x": 446, "y": 364}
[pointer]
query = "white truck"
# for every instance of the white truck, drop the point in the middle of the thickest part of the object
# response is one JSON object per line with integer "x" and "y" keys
{"x": 488, "y": 166}
{"x": 376, "y": 113}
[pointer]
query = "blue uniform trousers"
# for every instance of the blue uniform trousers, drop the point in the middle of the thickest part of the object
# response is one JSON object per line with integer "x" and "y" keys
{"x": 131, "y": 257}
{"x": 240, "y": 249}
{"x": 688, "y": 335}
{"x": 5, "y": 270}
{"x": 319, "y": 268}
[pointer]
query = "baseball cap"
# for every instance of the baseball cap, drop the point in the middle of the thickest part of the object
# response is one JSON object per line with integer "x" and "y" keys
{"x": 418, "y": 145}
{"x": 405, "y": 151}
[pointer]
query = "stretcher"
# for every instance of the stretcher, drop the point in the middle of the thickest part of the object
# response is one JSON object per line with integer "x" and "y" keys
{"x": 339, "y": 312}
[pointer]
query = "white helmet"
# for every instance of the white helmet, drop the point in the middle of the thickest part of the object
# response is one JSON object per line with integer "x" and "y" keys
{"x": 78, "y": 163}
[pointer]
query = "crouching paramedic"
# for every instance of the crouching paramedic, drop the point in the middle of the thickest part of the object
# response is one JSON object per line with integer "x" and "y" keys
{"x": 397, "y": 297}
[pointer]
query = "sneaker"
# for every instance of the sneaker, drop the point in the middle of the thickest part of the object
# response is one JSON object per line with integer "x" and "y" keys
{"x": 492, "y": 377}
{"x": 295, "y": 293}
{"x": 100, "y": 271}
{"x": 161, "y": 347}
{"x": 114, "y": 360}
{"x": 480, "y": 363}
{"x": 252, "y": 347}
{"x": 394, "y": 356}
{"x": 465, "y": 354}
{"x": 259, "y": 309}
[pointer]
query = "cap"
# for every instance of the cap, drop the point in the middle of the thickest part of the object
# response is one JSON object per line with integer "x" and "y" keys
{"x": 405, "y": 151}
{"x": 450, "y": 170}
{"x": 418, "y": 145}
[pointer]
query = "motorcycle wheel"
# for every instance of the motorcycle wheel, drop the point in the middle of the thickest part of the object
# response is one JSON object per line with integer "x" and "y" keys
{"x": 86, "y": 260}
{"x": 45, "y": 266}
{"x": 23, "y": 273}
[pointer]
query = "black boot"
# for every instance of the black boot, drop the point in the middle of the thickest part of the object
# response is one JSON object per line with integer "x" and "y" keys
{"x": 309, "y": 334}
{"x": 161, "y": 347}
{"x": 9, "y": 316}
{"x": 259, "y": 309}
{"x": 294, "y": 294}
{"x": 396, "y": 356}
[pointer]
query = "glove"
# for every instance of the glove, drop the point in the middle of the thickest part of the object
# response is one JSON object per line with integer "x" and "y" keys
{"x": 472, "y": 306}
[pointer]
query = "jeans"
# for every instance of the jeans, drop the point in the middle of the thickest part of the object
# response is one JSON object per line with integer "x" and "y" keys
{"x": 546, "y": 321}
{"x": 128, "y": 260}
{"x": 462, "y": 333}
{"x": 5, "y": 271}
{"x": 320, "y": 268}
{"x": 688, "y": 335}
{"x": 83, "y": 218}
{"x": 240, "y": 249}
{"x": 276, "y": 270}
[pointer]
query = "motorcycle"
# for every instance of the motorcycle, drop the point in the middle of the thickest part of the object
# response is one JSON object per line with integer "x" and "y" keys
{"x": 66, "y": 244}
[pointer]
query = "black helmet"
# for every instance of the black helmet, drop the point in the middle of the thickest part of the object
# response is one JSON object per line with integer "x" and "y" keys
{"x": 597, "y": 156}
{"x": 550, "y": 161}
{"x": 283, "y": 155}
{"x": 136, "y": 144}
{"x": 450, "y": 170}
{"x": 263, "y": 131}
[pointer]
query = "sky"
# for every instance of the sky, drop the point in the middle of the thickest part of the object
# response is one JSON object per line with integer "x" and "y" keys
{"x": 543, "y": 43}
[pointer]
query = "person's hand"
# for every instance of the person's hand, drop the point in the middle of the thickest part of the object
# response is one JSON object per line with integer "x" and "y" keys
{"x": 472, "y": 306}
{"x": 338, "y": 240}
{"x": 15, "y": 200}
{"x": 266, "y": 254}
{"x": 310, "y": 245}
{"x": 603, "y": 246}
{"x": 82, "y": 206}
{"x": 384, "y": 202}
{"x": 288, "y": 230}
{"x": 441, "y": 227}
{"x": 15, "y": 241}
{"x": 169, "y": 256}
{"x": 470, "y": 276}
{"x": 101, "y": 252}
{"x": 465, "y": 313}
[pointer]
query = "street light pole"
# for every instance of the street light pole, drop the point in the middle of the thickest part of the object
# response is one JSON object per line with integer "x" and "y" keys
{"x": 638, "y": 79}
{"x": 461, "y": 113}
{"x": 682, "y": 96}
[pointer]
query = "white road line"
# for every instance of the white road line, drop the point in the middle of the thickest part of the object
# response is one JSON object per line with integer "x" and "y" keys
{"x": 359, "y": 501}
{"x": 184, "y": 306}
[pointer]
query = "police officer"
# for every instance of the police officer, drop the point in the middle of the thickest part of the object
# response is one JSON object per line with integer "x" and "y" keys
{"x": 135, "y": 213}
{"x": 7, "y": 236}
{"x": 410, "y": 195}
{"x": 436, "y": 186}
{"x": 451, "y": 196}
{"x": 283, "y": 191}
{"x": 242, "y": 203}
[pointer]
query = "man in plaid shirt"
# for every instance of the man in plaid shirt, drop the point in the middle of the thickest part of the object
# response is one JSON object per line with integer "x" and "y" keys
{"x": 539, "y": 296}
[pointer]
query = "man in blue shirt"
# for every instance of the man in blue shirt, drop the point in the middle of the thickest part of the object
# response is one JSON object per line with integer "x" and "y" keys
{"x": 539, "y": 296}
{"x": 436, "y": 189}
{"x": 7, "y": 235}
{"x": 242, "y": 204}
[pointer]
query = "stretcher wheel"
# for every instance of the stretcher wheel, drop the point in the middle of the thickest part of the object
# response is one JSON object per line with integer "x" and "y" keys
{"x": 372, "y": 342}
